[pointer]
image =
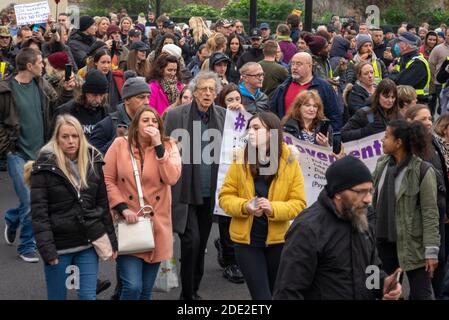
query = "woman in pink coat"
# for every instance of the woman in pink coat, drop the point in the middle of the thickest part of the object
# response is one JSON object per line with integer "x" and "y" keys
{"x": 159, "y": 165}
{"x": 164, "y": 82}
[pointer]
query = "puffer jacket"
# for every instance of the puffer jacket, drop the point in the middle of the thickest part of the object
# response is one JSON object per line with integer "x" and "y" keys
{"x": 417, "y": 217}
{"x": 80, "y": 44}
{"x": 357, "y": 98}
{"x": 286, "y": 195}
{"x": 359, "y": 126}
{"x": 63, "y": 217}
{"x": 254, "y": 104}
{"x": 10, "y": 118}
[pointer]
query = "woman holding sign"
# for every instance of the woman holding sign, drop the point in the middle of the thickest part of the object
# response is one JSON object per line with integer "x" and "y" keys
{"x": 305, "y": 120}
{"x": 263, "y": 190}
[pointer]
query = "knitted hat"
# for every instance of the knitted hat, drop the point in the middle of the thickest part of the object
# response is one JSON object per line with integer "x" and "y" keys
{"x": 315, "y": 43}
{"x": 409, "y": 38}
{"x": 95, "y": 46}
{"x": 58, "y": 60}
{"x": 172, "y": 49}
{"x": 388, "y": 29}
{"x": 346, "y": 173}
{"x": 361, "y": 39}
{"x": 96, "y": 82}
{"x": 134, "y": 86}
{"x": 111, "y": 29}
{"x": 86, "y": 22}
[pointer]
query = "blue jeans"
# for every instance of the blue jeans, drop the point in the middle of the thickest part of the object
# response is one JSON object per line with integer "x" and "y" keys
{"x": 56, "y": 277}
{"x": 137, "y": 277}
{"x": 20, "y": 217}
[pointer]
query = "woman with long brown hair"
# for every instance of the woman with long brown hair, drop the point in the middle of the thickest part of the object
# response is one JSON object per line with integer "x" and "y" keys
{"x": 263, "y": 190}
{"x": 371, "y": 120}
{"x": 159, "y": 165}
{"x": 137, "y": 60}
{"x": 305, "y": 119}
{"x": 165, "y": 84}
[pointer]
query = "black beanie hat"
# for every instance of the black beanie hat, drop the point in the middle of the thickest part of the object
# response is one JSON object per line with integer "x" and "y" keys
{"x": 86, "y": 22}
{"x": 96, "y": 82}
{"x": 345, "y": 173}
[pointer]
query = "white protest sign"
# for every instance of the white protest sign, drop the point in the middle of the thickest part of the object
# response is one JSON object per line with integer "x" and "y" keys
{"x": 32, "y": 13}
{"x": 314, "y": 159}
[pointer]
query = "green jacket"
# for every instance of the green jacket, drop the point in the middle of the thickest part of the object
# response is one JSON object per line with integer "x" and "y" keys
{"x": 416, "y": 222}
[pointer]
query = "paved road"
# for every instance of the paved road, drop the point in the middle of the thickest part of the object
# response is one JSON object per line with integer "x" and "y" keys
{"x": 25, "y": 281}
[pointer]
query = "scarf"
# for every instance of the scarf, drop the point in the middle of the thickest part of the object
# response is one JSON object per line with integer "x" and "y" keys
{"x": 386, "y": 201}
{"x": 283, "y": 38}
{"x": 191, "y": 173}
{"x": 171, "y": 89}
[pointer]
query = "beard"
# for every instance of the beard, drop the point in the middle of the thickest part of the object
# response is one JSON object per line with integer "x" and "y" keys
{"x": 356, "y": 215}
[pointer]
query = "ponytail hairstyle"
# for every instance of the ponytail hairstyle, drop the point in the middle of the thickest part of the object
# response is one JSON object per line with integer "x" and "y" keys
{"x": 415, "y": 137}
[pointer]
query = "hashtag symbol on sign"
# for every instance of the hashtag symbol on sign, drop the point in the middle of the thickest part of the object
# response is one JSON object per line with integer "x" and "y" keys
{"x": 239, "y": 122}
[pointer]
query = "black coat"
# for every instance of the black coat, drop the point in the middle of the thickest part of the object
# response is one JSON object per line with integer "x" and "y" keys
{"x": 358, "y": 126}
{"x": 358, "y": 98}
{"x": 63, "y": 218}
{"x": 89, "y": 117}
{"x": 252, "y": 55}
{"x": 292, "y": 127}
{"x": 325, "y": 257}
{"x": 80, "y": 44}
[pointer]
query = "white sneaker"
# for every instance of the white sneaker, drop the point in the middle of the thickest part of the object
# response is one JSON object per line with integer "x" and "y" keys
{"x": 31, "y": 257}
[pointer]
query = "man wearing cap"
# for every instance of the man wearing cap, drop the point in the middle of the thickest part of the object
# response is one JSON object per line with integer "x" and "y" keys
{"x": 223, "y": 26}
{"x": 135, "y": 94}
{"x": 255, "y": 52}
{"x": 7, "y": 51}
{"x": 365, "y": 53}
{"x": 134, "y": 36}
{"x": 219, "y": 63}
{"x": 412, "y": 68}
{"x": 81, "y": 40}
{"x": 266, "y": 32}
{"x": 330, "y": 249}
{"x": 27, "y": 102}
{"x": 437, "y": 57}
{"x": 168, "y": 27}
{"x": 89, "y": 106}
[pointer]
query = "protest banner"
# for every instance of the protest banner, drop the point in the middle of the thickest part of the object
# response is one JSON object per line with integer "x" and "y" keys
{"x": 314, "y": 159}
{"x": 32, "y": 13}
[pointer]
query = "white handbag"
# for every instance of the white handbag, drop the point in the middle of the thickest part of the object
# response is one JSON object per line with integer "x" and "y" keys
{"x": 137, "y": 237}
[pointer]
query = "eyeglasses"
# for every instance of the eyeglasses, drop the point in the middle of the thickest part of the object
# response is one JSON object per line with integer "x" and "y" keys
{"x": 205, "y": 89}
{"x": 298, "y": 64}
{"x": 363, "y": 192}
{"x": 259, "y": 75}
{"x": 239, "y": 27}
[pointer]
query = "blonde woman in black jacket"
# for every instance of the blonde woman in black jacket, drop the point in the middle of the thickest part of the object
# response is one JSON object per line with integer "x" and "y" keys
{"x": 69, "y": 208}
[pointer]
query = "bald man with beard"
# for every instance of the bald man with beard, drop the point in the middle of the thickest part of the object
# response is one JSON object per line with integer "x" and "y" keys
{"x": 301, "y": 79}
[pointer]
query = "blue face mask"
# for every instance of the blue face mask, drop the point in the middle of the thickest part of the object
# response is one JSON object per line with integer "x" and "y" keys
{"x": 396, "y": 50}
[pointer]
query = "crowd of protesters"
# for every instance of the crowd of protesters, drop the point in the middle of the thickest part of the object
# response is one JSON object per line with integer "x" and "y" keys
{"x": 82, "y": 102}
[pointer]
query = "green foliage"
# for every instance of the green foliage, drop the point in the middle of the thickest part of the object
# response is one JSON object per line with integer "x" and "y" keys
{"x": 196, "y": 10}
{"x": 273, "y": 10}
{"x": 324, "y": 18}
{"x": 395, "y": 15}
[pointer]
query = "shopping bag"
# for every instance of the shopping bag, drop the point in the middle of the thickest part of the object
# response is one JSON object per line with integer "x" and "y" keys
{"x": 167, "y": 276}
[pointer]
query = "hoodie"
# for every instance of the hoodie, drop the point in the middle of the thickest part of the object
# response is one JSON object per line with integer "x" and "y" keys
{"x": 339, "y": 50}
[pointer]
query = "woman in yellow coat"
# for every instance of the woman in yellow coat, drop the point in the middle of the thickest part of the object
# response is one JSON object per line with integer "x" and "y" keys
{"x": 263, "y": 190}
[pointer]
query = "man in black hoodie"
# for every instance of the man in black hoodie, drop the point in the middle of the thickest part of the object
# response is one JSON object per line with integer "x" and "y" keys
{"x": 90, "y": 105}
{"x": 81, "y": 40}
{"x": 255, "y": 52}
